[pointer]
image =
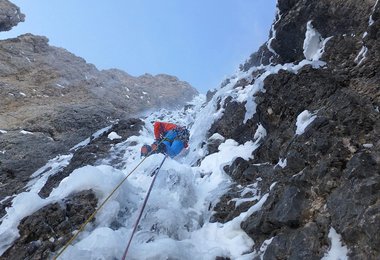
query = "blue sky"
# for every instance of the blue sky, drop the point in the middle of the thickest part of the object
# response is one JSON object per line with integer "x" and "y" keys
{"x": 200, "y": 42}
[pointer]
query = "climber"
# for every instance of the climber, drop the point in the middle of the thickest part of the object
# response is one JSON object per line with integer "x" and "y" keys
{"x": 170, "y": 139}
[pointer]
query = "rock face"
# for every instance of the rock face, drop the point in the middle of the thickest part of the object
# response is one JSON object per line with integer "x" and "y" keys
{"x": 331, "y": 174}
{"x": 50, "y": 228}
{"x": 324, "y": 178}
{"x": 47, "y": 230}
{"x": 52, "y": 100}
{"x": 10, "y": 15}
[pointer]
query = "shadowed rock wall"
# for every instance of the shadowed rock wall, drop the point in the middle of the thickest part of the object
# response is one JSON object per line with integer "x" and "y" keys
{"x": 332, "y": 174}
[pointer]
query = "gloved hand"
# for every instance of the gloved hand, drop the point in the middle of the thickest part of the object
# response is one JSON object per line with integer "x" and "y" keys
{"x": 158, "y": 148}
{"x": 154, "y": 147}
{"x": 145, "y": 150}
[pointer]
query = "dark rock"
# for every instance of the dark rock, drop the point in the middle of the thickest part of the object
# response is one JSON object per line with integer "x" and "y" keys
{"x": 213, "y": 143}
{"x": 331, "y": 176}
{"x": 227, "y": 209}
{"x": 234, "y": 114}
{"x": 284, "y": 209}
{"x": 210, "y": 94}
{"x": 305, "y": 243}
{"x": 10, "y": 15}
{"x": 18, "y": 162}
{"x": 95, "y": 151}
{"x": 48, "y": 229}
{"x": 354, "y": 208}
{"x": 222, "y": 258}
{"x": 262, "y": 56}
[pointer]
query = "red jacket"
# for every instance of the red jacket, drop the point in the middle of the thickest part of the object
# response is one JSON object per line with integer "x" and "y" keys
{"x": 161, "y": 128}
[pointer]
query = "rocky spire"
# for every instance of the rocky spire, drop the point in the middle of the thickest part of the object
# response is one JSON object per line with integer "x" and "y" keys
{"x": 10, "y": 15}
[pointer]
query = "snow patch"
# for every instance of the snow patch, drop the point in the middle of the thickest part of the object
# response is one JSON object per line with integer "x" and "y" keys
{"x": 362, "y": 55}
{"x": 273, "y": 32}
{"x": 255, "y": 195}
{"x": 228, "y": 152}
{"x": 281, "y": 163}
{"x": 303, "y": 120}
{"x": 314, "y": 44}
{"x": 370, "y": 20}
{"x": 252, "y": 188}
{"x": 40, "y": 177}
{"x": 113, "y": 136}
{"x": 264, "y": 246}
{"x": 88, "y": 140}
{"x": 22, "y": 94}
{"x": 272, "y": 185}
{"x": 337, "y": 250}
{"x": 217, "y": 136}
{"x": 25, "y": 132}
{"x": 3, "y": 132}
{"x": 260, "y": 133}
{"x": 367, "y": 145}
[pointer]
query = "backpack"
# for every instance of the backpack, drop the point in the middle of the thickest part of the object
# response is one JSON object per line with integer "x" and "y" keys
{"x": 183, "y": 134}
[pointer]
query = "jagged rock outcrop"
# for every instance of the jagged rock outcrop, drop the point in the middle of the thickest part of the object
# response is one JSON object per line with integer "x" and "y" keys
{"x": 52, "y": 100}
{"x": 51, "y": 227}
{"x": 331, "y": 175}
{"x": 10, "y": 15}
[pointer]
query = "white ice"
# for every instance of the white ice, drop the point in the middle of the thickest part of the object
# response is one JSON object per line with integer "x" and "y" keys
{"x": 370, "y": 20}
{"x": 273, "y": 32}
{"x": 94, "y": 136}
{"x": 25, "y": 132}
{"x": 362, "y": 55}
{"x": 113, "y": 136}
{"x": 337, "y": 251}
{"x": 314, "y": 44}
{"x": 303, "y": 120}
{"x": 282, "y": 163}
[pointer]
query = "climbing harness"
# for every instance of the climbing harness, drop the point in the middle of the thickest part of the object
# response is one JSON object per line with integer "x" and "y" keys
{"x": 101, "y": 206}
{"x": 155, "y": 173}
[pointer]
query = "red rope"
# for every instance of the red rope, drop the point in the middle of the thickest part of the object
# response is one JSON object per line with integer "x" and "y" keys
{"x": 142, "y": 208}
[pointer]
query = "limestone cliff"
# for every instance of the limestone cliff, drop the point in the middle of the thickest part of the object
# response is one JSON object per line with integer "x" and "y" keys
{"x": 328, "y": 176}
